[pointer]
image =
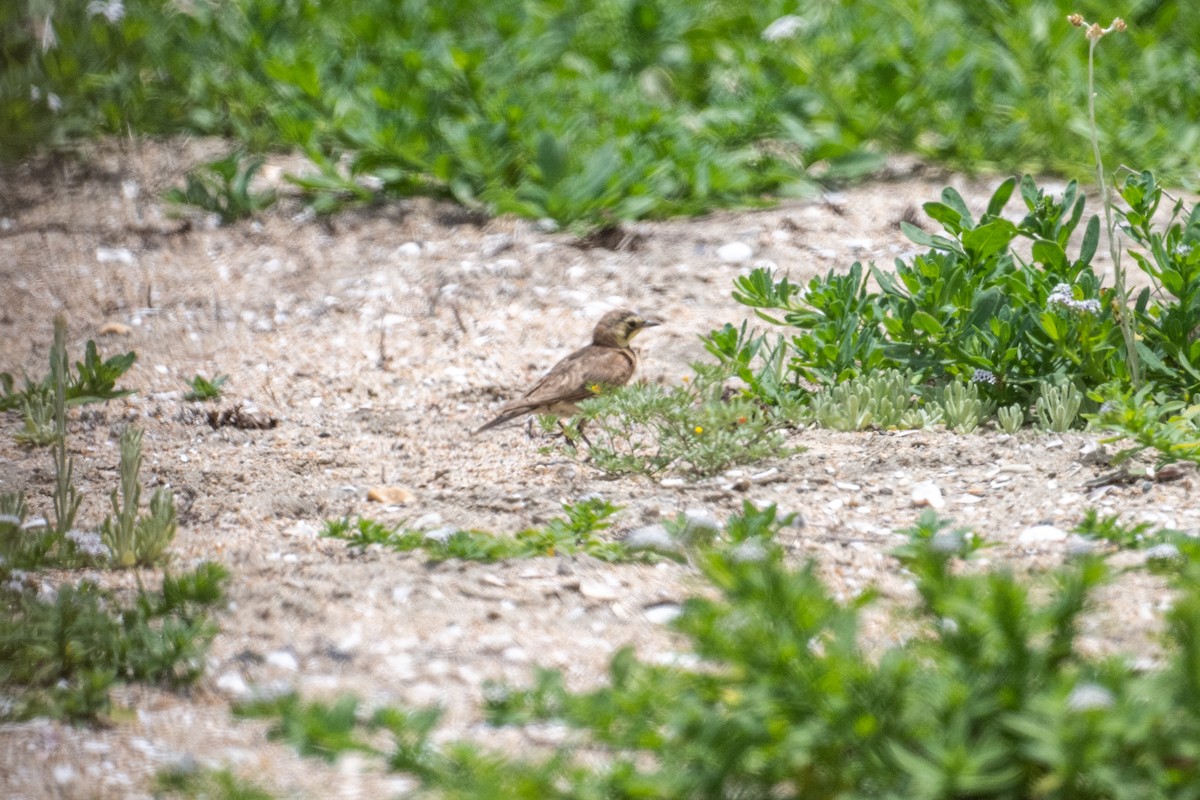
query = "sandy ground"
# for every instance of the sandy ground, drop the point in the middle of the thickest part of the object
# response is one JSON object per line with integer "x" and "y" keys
{"x": 379, "y": 339}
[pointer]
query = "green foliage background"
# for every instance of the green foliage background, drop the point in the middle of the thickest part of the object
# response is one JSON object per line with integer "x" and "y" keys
{"x": 607, "y": 109}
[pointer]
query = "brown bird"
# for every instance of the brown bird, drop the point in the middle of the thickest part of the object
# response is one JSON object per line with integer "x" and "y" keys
{"x": 607, "y": 361}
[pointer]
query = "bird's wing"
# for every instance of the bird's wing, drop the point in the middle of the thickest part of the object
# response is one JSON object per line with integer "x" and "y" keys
{"x": 575, "y": 378}
{"x": 581, "y": 375}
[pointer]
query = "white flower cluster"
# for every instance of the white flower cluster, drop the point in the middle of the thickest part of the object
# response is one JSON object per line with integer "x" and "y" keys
{"x": 784, "y": 28}
{"x": 16, "y": 581}
{"x": 53, "y": 101}
{"x": 983, "y": 376}
{"x": 111, "y": 10}
{"x": 1064, "y": 300}
{"x": 1090, "y": 697}
{"x": 88, "y": 543}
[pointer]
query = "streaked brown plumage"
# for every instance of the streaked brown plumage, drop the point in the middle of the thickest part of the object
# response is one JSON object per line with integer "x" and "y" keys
{"x": 607, "y": 361}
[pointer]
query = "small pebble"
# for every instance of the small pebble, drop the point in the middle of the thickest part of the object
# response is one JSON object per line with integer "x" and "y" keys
{"x": 282, "y": 659}
{"x": 115, "y": 329}
{"x": 597, "y": 590}
{"x": 390, "y": 495}
{"x": 120, "y": 255}
{"x": 428, "y": 521}
{"x": 927, "y": 494}
{"x": 1039, "y": 534}
{"x": 440, "y": 534}
{"x": 233, "y": 684}
{"x": 662, "y": 613}
{"x": 698, "y": 521}
{"x": 650, "y": 537}
{"x": 735, "y": 253}
{"x": 303, "y": 530}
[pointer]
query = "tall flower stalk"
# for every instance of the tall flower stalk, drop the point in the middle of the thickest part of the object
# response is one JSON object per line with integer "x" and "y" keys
{"x": 1094, "y": 34}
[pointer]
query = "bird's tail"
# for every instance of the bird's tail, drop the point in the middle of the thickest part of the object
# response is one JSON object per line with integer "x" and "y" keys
{"x": 502, "y": 418}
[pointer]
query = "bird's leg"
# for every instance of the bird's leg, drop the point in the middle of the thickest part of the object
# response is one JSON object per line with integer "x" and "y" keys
{"x": 566, "y": 431}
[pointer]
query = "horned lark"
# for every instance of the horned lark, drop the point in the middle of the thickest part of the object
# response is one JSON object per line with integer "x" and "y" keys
{"x": 607, "y": 361}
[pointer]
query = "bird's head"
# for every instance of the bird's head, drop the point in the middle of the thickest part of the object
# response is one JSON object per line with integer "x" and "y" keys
{"x": 617, "y": 328}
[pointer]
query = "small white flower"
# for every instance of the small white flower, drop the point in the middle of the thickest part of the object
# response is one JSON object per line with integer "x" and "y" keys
{"x": 983, "y": 376}
{"x": 111, "y": 10}
{"x": 946, "y": 542}
{"x": 1183, "y": 250}
{"x": 89, "y": 543}
{"x": 1090, "y": 697}
{"x": 784, "y": 28}
{"x": 1063, "y": 299}
{"x": 53, "y": 102}
{"x": 35, "y": 93}
{"x": 749, "y": 550}
{"x": 1163, "y": 552}
{"x": 16, "y": 581}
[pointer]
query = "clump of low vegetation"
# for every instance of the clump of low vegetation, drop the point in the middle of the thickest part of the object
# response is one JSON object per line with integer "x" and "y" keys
{"x": 575, "y": 532}
{"x": 993, "y": 696}
{"x": 63, "y": 645}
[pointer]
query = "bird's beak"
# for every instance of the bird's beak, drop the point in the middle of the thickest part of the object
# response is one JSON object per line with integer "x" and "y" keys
{"x": 650, "y": 323}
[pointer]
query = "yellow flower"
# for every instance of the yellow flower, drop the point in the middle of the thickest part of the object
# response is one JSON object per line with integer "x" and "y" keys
{"x": 699, "y": 430}
{"x": 594, "y": 388}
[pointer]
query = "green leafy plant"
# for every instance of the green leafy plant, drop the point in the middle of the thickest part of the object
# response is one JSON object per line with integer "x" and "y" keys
{"x": 38, "y": 429}
{"x": 756, "y": 359}
{"x": 206, "y": 784}
{"x": 992, "y": 696}
{"x": 313, "y": 729}
{"x": 1112, "y": 529}
{"x": 575, "y": 532}
{"x": 136, "y": 540}
{"x": 1169, "y": 345}
{"x": 1058, "y": 406}
{"x": 204, "y": 389}
{"x": 222, "y": 187}
{"x": 698, "y": 427}
{"x": 94, "y": 380}
{"x": 962, "y": 408}
{"x": 886, "y": 399}
{"x": 968, "y": 309}
{"x": 1011, "y": 418}
{"x": 1151, "y": 420}
{"x": 598, "y": 113}
{"x": 61, "y": 656}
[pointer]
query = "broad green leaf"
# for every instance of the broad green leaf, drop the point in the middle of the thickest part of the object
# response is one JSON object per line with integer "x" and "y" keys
{"x": 984, "y": 307}
{"x": 551, "y": 159}
{"x": 1052, "y": 326}
{"x": 1029, "y": 191}
{"x": 1050, "y": 254}
{"x": 1000, "y": 197}
{"x": 1091, "y": 238}
{"x": 989, "y": 239}
{"x": 916, "y": 235}
{"x": 924, "y": 321}
{"x": 950, "y": 218}
{"x": 952, "y": 198}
